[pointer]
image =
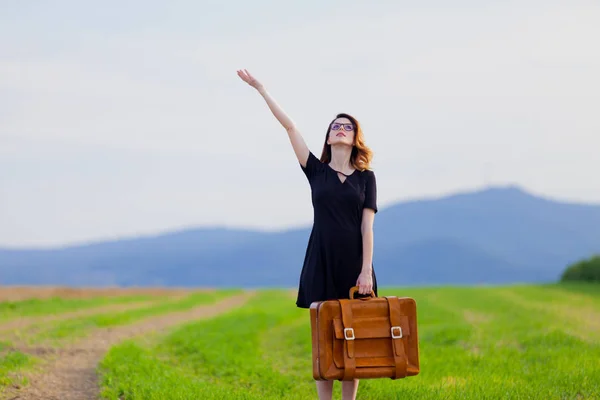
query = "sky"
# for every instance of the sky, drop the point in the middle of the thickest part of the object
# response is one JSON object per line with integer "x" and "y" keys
{"x": 127, "y": 118}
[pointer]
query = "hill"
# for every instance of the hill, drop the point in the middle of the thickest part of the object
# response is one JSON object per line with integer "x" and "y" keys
{"x": 497, "y": 235}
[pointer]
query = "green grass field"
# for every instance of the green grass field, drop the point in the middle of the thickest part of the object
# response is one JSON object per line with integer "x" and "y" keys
{"x": 77, "y": 327}
{"x": 517, "y": 342}
{"x": 61, "y": 332}
{"x": 9, "y": 362}
{"x": 37, "y": 307}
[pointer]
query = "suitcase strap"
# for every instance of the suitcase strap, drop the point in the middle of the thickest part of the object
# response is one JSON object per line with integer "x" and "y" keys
{"x": 400, "y": 359}
{"x": 349, "y": 360}
{"x": 396, "y": 333}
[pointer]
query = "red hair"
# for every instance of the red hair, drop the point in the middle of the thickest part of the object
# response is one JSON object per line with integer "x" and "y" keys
{"x": 361, "y": 154}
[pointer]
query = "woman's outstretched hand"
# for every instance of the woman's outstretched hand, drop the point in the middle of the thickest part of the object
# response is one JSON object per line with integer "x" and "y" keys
{"x": 249, "y": 79}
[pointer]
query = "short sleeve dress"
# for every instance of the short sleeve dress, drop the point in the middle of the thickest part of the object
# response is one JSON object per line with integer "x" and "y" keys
{"x": 334, "y": 254}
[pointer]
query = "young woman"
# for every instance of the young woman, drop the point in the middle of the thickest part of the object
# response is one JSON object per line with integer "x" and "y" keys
{"x": 344, "y": 196}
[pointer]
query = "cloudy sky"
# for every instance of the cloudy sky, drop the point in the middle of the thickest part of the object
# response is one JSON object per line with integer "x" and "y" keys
{"x": 121, "y": 118}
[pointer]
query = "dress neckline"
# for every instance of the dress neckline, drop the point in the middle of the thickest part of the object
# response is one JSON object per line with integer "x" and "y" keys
{"x": 339, "y": 172}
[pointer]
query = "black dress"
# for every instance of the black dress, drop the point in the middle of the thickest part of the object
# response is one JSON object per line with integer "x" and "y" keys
{"x": 334, "y": 255}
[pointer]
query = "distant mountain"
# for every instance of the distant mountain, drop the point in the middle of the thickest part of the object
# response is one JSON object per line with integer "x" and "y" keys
{"x": 497, "y": 235}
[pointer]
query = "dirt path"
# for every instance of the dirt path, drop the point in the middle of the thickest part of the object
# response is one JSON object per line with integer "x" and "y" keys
{"x": 72, "y": 375}
{"x": 25, "y": 322}
{"x": 20, "y": 293}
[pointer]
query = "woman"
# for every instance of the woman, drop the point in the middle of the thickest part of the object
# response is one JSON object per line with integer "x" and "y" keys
{"x": 344, "y": 196}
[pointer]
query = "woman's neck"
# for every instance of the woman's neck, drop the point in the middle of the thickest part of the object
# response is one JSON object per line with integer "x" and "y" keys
{"x": 340, "y": 159}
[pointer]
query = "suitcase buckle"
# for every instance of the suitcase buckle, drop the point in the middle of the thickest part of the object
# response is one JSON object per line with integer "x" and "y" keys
{"x": 346, "y": 330}
{"x": 394, "y": 336}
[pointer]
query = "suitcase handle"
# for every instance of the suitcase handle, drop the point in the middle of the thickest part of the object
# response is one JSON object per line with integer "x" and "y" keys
{"x": 354, "y": 289}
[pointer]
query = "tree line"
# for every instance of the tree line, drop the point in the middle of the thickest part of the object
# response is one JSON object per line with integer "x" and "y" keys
{"x": 584, "y": 270}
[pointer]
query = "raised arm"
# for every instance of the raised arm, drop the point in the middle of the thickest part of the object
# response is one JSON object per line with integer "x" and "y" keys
{"x": 299, "y": 145}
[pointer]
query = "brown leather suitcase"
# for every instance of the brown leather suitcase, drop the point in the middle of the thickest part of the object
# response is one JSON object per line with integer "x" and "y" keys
{"x": 364, "y": 338}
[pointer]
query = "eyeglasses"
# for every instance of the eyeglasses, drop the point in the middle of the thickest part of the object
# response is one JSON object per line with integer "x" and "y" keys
{"x": 337, "y": 127}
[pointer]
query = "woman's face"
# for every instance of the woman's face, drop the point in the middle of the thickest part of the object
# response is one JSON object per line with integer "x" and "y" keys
{"x": 341, "y": 131}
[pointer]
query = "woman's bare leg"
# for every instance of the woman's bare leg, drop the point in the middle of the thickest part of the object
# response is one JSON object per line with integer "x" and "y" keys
{"x": 325, "y": 389}
{"x": 349, "y": 389}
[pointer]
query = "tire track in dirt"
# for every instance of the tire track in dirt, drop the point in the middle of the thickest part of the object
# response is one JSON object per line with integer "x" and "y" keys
{"x": 71, "y": 371}
{"x": 26, "y": 322}
{"x": 21, "y": 293}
